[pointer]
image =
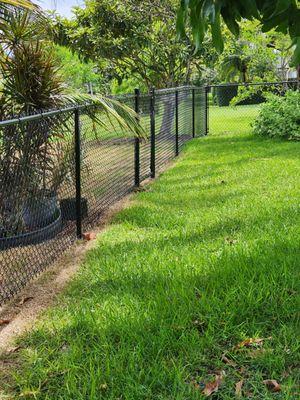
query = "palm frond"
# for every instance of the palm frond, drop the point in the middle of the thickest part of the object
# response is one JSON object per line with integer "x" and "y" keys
{"x": 114, "y": 111}
{"x": 18, "y": 3}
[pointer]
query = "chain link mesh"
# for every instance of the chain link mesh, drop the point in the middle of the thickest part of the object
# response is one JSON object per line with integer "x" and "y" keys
{"x": 234, "y": 107}
{"x": 38, "y": 176}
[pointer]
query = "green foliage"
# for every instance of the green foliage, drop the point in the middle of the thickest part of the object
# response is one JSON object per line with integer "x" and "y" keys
{"x": 251, "y": 57}
{"x": 136, "y": 38}
{"x": 127, "y": 85}
{"x": 280, "y": 116}
{"x": 205, "y": 15}
{"x": 78, "y": 74}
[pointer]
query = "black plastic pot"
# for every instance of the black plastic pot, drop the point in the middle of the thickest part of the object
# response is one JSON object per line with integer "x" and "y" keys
{"x": 34, "y": 237}
{"x": 40, "y": 210}
{"x": 224, "y": 94}
{"x": 68, "y": 208}
{"x": 256, "y": 98}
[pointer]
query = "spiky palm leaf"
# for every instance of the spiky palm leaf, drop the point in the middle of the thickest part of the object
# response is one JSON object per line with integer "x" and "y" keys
{"x": 31, "y": 76}
{"x": 233, "y": 65}
{"x": 17, "y": 3}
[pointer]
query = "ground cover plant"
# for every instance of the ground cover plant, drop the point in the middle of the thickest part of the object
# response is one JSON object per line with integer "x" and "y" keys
{"x": 197, "y": 279}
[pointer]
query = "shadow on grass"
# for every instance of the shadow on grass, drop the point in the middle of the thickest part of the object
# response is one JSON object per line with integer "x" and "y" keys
{"x": 181, "y": 277}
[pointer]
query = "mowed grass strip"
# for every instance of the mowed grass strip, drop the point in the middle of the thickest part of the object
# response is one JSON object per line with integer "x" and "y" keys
{"x": 232, "y": 119}
{"x": 204, "y": 258}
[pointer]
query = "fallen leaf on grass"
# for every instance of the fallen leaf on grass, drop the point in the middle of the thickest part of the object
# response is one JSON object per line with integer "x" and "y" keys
{"x": 238, "y": 388}
{"x": 196, "y": 384}
{"x": 89, "y": 236}
{"x": 29, "y": 394}
{"x": 231, "y": 241}
{"x": 4, "y": 322}
{"x": 272, "y": 385}
{"x": 12, "y": 350}
{"x": 24, "y": 300}
{"x": 199, "y": 325}
{"x": 251, "y": 342}
{"x": 212, "y": 387}
{"x": 227, "y": 361}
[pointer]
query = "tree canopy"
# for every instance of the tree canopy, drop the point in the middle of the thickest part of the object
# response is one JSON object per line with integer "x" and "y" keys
{"x": 206, "y": 15}
{"x": 136, "y": 38}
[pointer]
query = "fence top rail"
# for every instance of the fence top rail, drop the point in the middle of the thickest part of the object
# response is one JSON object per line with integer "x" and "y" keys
{"x": 43, "y": 114}
{"x": 78, "y": 107}
{"x": 253, "y": 83}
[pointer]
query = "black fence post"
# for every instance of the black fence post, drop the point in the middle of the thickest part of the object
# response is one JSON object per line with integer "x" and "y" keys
{"x": 137, "y": 142}
{"x": 78, "y": 173}
{"x": 193, "y": 112}
{"x": 152, "y": 125}
{"x": 206, "y": 105}
{"x": 176, "y": 124}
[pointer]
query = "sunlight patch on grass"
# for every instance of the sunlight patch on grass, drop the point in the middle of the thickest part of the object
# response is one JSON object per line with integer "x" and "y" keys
{"x": 205, "y": 258}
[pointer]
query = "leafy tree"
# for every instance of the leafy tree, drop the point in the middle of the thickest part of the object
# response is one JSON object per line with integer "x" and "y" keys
{"x": 78, "y": 74}
{"x": 251, "y": 57}
{"x": 207, "y": 15}
{"x": 137, "y": 38}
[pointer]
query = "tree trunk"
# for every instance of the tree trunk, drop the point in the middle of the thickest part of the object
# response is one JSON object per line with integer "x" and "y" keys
{"x": 168, "y": 101}
{"x": 168, "y": 115}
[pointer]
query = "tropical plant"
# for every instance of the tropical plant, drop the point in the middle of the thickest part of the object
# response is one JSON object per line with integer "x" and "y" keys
{"x": 250, "y": 58}
{"x": 235, "y": 64}
{"x": 31, "y": 83}
{"x": 206, "y": 15}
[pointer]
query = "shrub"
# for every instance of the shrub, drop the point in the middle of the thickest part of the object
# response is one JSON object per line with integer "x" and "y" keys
{"x": 280, "y": 116}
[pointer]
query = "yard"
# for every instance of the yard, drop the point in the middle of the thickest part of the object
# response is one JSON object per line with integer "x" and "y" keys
{"x": 203, "y": 260}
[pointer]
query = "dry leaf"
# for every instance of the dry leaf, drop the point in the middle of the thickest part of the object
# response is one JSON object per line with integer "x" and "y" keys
{"x": 13, "y": 349}
{"x": 250, "y": 342}
{"x": 195, "y": 384}
{"x": 230, "y": 241}
{"x": 25, "y": 299}
{"x": 103, "y": 386}
{"x": 89, "y": 236}
{"x": 212, "y": 387}
{"x": 238, "y": 388}
{"x": 4, "y": 322}
{"x": 227, "y": 361}
{"x": 29, "y": 393}
{"x": 272, "y": 385}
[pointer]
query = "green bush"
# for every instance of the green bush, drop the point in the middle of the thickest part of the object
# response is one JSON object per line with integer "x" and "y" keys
{"x": 280, "y": 116}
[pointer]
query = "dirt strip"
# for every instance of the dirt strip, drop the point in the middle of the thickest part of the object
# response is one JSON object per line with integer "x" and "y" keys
{"x": 19, "y": 315}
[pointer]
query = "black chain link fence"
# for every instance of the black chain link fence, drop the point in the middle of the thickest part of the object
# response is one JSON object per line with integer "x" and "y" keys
{"x": 232, "y": 108}
{"x": 60, "y": 171}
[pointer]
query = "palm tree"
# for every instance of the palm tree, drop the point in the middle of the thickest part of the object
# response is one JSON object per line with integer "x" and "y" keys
{"x": 235, "y": 65}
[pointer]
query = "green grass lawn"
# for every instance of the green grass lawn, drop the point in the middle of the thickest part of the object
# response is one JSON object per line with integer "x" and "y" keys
{"x": 232, "y": 119}
{"x": 204, "y": 258}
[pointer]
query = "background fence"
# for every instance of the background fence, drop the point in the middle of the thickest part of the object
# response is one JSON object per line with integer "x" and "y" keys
{"x": 233, "y": 107}
{"x": 59, "y": 172}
